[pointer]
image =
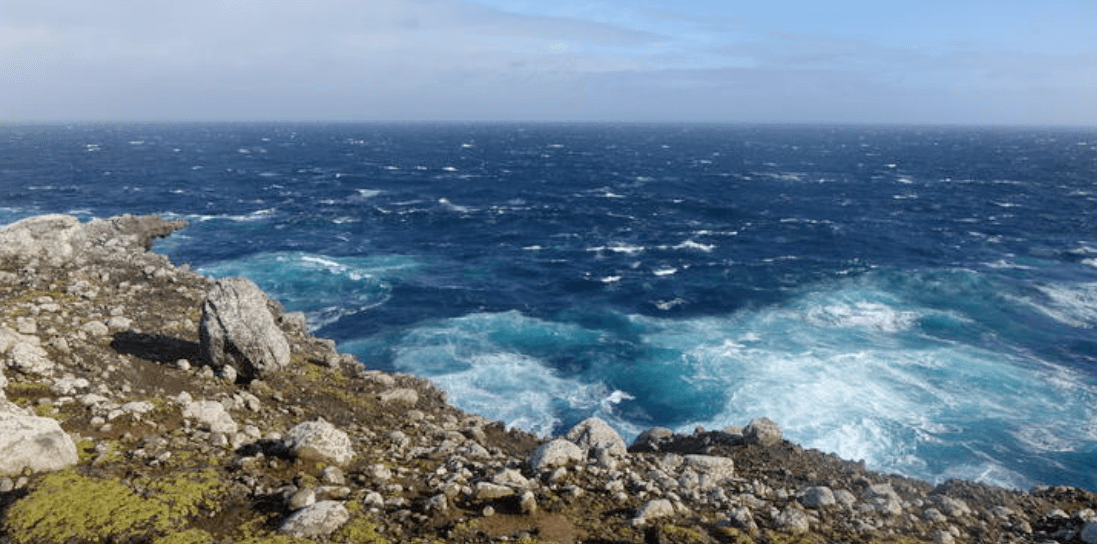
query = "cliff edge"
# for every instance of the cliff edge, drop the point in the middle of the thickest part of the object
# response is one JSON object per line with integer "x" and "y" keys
{"x": 145, "y": 403}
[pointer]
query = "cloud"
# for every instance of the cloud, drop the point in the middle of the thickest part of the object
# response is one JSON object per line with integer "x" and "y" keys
{"x": 456, "y": 59}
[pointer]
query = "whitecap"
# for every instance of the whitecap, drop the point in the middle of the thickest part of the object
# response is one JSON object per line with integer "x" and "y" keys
{"x": 690, "y": 244}
{"x": 1071, "y": 304}
{"x": 532, "y": 248}
{"x": 611, "y": 279}
{"x": 618, "y": 248}
{"x": 454, "y": 207}
{"x": 665, "y": 271}
{"x": 449, "y": 168}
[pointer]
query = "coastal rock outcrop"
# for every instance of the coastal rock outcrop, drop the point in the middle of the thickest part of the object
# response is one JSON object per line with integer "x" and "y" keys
{"x": 238, "y": 329}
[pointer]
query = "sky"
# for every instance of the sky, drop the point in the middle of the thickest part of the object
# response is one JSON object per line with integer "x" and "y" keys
{"x": 1000, "y": 62}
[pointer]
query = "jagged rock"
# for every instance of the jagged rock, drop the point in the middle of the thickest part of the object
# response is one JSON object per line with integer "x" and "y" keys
{"x": 555, "y": 453}
{"x": 318, "y": 520}
{"x": 319, "y": 441}
{"x": 762, "y": 431}
{"x": 211, "y": 415}
{"x": 818, "y": 497}
{"x": 237, "y": 329}
{"x": 95, "y": 328}
{"x": 595, "y": 435}
{"x": 31, "y": 442}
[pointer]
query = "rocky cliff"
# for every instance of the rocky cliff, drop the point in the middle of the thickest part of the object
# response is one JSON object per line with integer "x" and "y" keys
{"x": 143, "y": 402}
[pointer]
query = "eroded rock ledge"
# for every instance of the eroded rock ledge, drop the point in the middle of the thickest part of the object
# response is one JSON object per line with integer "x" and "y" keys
{"x": 121, "y": 422}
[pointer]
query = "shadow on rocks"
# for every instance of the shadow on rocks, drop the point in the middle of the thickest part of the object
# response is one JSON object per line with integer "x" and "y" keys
{"x": 155, "y": 347}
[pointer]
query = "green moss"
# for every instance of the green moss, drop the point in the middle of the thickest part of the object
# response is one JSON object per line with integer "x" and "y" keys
{"x": 67, "y": 505}
{"x": 684, "y": 534}
{"x": 191, "y": 536}
{"x": 359, "y": 530}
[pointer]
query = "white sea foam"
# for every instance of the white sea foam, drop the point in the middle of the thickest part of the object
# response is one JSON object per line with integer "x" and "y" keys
{"x": 454, "y": 207}
{"x": 618, "y": 248}
{"x": 1072, "y": 304}
{"x": 669, "y": 271}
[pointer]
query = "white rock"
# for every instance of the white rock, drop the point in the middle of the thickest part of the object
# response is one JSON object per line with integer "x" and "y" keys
{"x": 762, "y": 431}
{"x": 119, "y": 323}
{"x": 658, "y": 508}
{"x": 555, "y": 453}
{"x": 68, "y": 385}
{"x": 211, "y": 415}
{"x": 595, "y": 435}
{"x": 400, "y": 396}
{"x": 487, "y": 491}
{"x": 512, "y": 478}
{"x": 320, "y": 441}
{"x": 95, "y": 328}
{"x": 318, "y": 520}
{"x": 29, "y": 358}
{"x": 712, "y": 468}
{"x": 138, "y": 407}
{"x": 37, "y": 443}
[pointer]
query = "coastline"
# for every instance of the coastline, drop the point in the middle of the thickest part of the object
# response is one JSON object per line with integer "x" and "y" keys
{"x": 160, "y": 444}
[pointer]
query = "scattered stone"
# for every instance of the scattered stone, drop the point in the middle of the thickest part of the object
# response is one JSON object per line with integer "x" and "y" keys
{"x": 654, "y": 509}
{"x": 793, "y": 520}
{"x": 652, "y": 439}
{"x": 487, "y": 491}
{"x": 595, "y": 435}
{"x": 30, "y": 442}
{"x": 762, "y": 431}
{"x": 555, "y": 453}
{"x": 527, "y": 503}
{"x": 319, "y": 441}
{"x": 95, "y": 328}
{"x": 713, "y": 469}
{"x": 237, "y": 329}
{"x": 317, "y": 520}
{"x": 211, "y": 415}
{"x": 403, "y": 396}
{"x": 818, "y": 497}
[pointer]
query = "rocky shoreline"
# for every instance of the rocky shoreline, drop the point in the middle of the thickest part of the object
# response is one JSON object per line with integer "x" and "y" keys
{"x": 143, "y": 402}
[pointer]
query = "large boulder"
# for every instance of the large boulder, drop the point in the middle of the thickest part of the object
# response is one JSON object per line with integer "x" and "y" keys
{"x": 32, "y": 442}
{"x": 238, "y": 329}
{"x": 22, "y": 353}
{"x": 595, "y": 435}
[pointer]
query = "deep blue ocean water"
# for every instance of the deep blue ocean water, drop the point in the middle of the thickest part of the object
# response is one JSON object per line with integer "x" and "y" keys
{"x": 924, "y": 299}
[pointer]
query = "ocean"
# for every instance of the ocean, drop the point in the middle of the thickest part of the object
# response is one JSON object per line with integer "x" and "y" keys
{"x": 920, "y": 298}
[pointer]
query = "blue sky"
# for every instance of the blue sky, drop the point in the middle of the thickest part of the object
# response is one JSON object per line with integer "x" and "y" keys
{"x": 843, "y": 61}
